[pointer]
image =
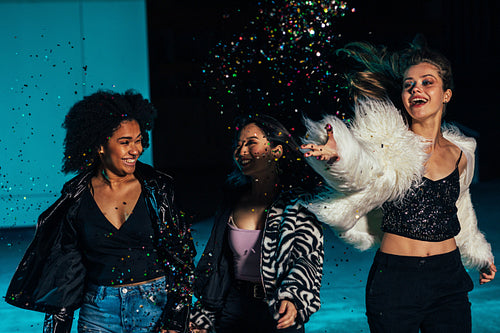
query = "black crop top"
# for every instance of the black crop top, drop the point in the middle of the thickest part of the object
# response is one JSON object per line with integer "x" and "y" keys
{"x": 117, "y": 256}
{"x": 428, "y": 212}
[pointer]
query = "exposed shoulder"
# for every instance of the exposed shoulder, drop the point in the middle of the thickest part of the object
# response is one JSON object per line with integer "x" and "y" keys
{"x": 453, "y": 134}
{"x": 462, "y": 164}
{"x": 465, "y": 144}
{"x": 453, "y": 151}
{"x": 455, "y": 155}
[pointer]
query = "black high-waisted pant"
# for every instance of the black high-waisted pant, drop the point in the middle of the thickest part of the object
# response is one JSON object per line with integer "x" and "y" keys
{"x": 405, "y": 294}
{"x": 245, "y": 314}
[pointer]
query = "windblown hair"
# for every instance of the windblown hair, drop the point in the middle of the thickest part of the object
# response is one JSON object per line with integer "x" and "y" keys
{"x": 379, "y": 73}
{"x": 92, "y": 121}
{"x": 293, "y": 169}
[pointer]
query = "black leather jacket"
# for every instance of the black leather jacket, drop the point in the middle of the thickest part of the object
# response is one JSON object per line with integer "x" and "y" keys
{"x": 51, "y": 276}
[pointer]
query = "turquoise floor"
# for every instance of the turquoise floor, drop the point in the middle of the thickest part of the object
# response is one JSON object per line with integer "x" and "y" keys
{"x": 344, "y": 279}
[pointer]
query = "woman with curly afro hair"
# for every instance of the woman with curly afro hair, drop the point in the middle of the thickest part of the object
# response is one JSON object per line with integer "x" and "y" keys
{"x": 113, "y": 244}
{"x": 91, "y": 122}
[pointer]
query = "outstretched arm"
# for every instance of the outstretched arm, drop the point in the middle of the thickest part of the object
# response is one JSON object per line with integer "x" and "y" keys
{"x": 373, "y": 160}
{"x": 346, "y": 161}
{"x": 327, "y": 152}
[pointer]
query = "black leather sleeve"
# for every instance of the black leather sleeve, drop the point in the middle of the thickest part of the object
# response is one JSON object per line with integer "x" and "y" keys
{"x": 58, "y": 323}
{"x": 176, "y": 316}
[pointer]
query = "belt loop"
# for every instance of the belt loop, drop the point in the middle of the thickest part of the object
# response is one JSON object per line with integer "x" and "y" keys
{"x": 101, "y": 292}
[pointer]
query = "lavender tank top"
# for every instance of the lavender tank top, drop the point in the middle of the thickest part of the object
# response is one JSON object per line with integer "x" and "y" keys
{"x": 246, "y": 246}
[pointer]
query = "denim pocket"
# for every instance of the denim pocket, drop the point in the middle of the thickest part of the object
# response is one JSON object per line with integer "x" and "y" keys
{"x": 90, "y": 297}
{"x": 155, "y": 294}
{"x": 94, "y": 296}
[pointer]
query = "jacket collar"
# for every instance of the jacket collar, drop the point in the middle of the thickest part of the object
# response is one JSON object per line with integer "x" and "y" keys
{"x": 144, "y": 173}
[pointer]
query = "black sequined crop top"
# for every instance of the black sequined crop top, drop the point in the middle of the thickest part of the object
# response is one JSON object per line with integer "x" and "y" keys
{"x": 428, "y": 212}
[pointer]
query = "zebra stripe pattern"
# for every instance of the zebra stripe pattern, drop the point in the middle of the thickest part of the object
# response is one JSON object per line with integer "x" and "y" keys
{"x": 291, "y": 260}
{"x": 292, "y": 257}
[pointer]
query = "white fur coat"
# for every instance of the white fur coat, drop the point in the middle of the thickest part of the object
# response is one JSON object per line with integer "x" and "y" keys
{"x": 380, "y": 160}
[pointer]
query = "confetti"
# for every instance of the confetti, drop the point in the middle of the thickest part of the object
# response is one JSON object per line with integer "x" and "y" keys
{"x": 281, "y": 61}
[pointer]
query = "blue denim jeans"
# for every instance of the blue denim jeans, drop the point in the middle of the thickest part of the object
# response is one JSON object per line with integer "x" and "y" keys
{"x": 122, "y": 309}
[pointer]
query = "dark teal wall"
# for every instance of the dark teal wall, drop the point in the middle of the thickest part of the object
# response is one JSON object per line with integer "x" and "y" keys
{"x": 52, "y": 53}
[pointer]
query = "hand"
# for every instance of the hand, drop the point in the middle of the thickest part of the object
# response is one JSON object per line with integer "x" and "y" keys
{"x": 487, "y": 275}
{"x": 326, "y": 152}
{"x": 288, "y": 314}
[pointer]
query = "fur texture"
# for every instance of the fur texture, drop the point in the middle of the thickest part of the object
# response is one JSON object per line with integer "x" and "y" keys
{"x": 381, "y": 160}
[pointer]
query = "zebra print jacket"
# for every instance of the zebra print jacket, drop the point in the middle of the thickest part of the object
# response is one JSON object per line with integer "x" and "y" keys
{"x": 291, "y": 261}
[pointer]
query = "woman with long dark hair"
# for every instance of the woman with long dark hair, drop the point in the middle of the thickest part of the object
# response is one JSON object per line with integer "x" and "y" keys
{"x": 113, "y": 244}
{"x": 262, "y": 266}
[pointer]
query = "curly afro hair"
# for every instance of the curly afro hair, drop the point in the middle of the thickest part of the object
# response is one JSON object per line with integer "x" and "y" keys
{"x": 91, "y": 122}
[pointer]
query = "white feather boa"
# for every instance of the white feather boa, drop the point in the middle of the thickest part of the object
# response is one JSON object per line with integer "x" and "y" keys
{"x": 380, "y": 160}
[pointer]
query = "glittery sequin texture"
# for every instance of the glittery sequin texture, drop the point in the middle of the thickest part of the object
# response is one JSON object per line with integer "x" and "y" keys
{"x": 427, "y": 213}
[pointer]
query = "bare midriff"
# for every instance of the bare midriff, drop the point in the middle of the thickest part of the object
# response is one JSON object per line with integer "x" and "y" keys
{"x": 404, "y": 246}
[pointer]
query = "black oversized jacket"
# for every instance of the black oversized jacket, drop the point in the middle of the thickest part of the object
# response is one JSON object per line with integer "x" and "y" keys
{"x": 51, "y": 276}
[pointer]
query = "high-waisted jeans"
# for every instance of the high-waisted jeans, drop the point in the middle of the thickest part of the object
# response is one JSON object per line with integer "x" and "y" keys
{"x": 405, "y": 294}
{"x": 122, "y": 309}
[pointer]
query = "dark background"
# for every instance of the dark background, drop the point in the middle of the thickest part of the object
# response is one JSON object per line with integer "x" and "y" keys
{"x": 191, "y": 139}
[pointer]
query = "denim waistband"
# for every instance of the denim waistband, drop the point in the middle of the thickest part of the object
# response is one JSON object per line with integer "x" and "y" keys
{"x": 130, "y": 290}
{"x": 430, "y": 262}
